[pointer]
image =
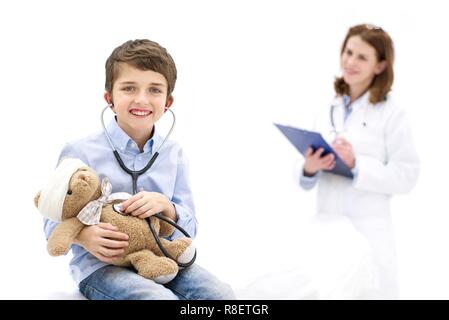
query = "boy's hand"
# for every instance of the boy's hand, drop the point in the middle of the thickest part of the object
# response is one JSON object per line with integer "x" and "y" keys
{"x": 315, "y": 162}
{"x": 344, "y": 150}
{"x": 145, "y": 204}
{"x": 103, "y": 241}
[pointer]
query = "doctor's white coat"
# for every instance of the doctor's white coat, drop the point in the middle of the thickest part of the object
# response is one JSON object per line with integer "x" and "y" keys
{"x": 387, "y": 164}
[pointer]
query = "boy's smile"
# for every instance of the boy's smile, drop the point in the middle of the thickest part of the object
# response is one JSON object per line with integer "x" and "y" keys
{"x": 140, "y": 112}
{"x": 139, "y": 100}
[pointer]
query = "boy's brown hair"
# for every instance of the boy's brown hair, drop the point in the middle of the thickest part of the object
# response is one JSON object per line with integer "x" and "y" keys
{"x": 382, "y": 43}
{"x": 142, "y": 54}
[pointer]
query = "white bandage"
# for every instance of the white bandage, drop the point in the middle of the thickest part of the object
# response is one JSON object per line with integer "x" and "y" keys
{"x": 51, "y": 200}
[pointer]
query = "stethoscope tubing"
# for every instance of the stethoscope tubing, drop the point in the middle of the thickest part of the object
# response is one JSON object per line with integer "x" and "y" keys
{"x": 135, "y": 175}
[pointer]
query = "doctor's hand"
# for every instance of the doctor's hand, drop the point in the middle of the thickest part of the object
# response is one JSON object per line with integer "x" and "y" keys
{"x": 104, "y": 241}
{"x": 344, "y": 150}
{"x": 145, "y": 204}
{"x": 315, "y": 162}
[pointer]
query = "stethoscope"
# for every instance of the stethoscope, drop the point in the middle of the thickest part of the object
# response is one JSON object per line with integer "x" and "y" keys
{"x": 334, "y": 130}
{"x": 135, "y": 175}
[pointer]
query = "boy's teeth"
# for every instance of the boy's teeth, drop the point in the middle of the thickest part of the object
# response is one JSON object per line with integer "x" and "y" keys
{"x": 140, "y": 113}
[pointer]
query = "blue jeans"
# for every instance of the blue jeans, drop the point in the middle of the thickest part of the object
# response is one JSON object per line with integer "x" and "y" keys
{"x": 118, "y": 283}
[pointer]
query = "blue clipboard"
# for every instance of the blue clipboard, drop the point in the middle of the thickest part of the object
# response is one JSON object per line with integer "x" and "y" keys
{"x": 303, "y": 139}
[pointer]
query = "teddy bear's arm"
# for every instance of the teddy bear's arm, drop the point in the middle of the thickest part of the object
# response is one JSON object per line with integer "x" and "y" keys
{"x": 63, "y": 236}
{"x": 166, "y": 229}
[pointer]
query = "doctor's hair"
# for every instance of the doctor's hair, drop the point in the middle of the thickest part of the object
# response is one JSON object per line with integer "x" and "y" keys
{"x": 142, "y": 54}
{"x": 382, "y": 43}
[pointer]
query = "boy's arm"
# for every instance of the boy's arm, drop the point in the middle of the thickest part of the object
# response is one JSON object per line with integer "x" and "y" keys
{"x": 183, "y": 199}
{"x": 49, "y": 226}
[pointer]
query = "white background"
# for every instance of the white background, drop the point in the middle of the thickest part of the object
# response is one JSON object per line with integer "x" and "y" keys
{"x": 241, "y": 66}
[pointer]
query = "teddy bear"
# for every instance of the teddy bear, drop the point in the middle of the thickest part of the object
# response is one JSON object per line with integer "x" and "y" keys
{"x": 75, "y": 197}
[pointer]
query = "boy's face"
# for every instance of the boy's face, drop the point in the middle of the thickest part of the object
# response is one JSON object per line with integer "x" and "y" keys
{"x": 139, "y": 99}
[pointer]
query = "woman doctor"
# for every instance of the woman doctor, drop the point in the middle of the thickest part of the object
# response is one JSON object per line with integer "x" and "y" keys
{"x": 372, "y": 137}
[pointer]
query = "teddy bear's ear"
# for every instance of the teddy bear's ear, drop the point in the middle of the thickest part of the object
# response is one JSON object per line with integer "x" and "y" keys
{"x": 36, "y": 199}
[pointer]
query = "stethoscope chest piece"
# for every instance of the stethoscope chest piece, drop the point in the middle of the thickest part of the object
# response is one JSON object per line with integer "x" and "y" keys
{"x": 117, "y": 207}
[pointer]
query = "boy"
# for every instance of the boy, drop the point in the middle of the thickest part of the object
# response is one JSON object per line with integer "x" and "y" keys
{"x": 140, "y": 77}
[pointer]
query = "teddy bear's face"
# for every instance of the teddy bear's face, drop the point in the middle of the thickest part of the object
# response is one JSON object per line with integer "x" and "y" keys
{"x": 84, "y": 186}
